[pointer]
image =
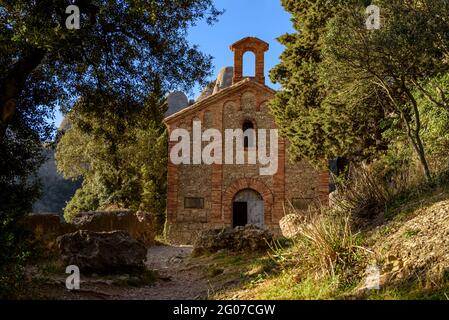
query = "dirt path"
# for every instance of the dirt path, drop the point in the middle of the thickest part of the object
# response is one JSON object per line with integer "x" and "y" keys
{"x": 178, "y": 279}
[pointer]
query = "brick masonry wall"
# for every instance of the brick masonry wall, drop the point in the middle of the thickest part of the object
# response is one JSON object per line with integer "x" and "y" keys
{"x": 256, "y": 46}
{"x": 218, "y": 184}
{"x": 302, "y": 181}
{"x": 249, "y": 104}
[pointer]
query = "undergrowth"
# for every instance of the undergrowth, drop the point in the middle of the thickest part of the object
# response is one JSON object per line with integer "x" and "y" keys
{"x": 330, "y": 253}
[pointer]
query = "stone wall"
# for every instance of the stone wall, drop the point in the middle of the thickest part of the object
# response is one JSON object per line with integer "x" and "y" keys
{"x": 248, "y": 104}
{"x": 306, "y": 187}
{"x": 186, "y": 232}
{"x": 140, "y": 225}
{"x": 219, "y": 183}
{"x": 47, "y": 227}
{"x": 229, "y": 108}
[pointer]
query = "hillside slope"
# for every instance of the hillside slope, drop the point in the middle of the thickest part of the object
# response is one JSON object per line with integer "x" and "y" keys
{"x": 56, "y": 191}
{"x": 410, "y": 251}
{"x": 416, "y": 250}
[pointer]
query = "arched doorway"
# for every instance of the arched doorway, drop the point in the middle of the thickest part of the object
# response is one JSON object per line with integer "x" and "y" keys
{"x": 247, "y": 208}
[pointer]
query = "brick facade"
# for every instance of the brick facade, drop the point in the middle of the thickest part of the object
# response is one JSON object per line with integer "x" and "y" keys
{"x": 218, "y": 184}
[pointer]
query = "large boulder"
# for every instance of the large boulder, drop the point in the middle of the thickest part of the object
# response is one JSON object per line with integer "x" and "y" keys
{"x": 102, "y": 252}
{"x": 291, "y": 225}
{"x": 247, "y": 239}
{"x": 139, "y": 225}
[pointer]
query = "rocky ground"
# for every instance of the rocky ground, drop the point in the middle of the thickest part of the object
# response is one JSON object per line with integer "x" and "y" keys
{"x": 177, "y": 279}
{"x": 418, "y": 247}
{"x": 222, "y": 259}
{"x": 409, "y": 249}
{"x": 409, "y": 253}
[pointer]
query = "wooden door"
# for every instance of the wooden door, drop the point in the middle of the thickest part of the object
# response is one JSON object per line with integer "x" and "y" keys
{"x": 256, "y": 213}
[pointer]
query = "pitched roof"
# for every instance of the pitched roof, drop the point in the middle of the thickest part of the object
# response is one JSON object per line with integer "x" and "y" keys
{"x": 213, "y": 98}
{"x": 249, "y": 41}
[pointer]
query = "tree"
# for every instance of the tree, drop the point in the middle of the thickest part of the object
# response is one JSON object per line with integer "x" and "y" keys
{"x": 20, "y": 156}
{"x": 120, "y": 153}
{"x": 401, "y": 158}
{"x": 344, "y": 85}
{"x": 435, "y": 122}
{"x": 401, "y": 58}
{"x": 121, "y": 47}
{"x": 316, "y": 130}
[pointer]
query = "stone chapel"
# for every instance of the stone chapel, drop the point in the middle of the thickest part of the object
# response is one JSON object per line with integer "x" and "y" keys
{"x": 204, "y": 196}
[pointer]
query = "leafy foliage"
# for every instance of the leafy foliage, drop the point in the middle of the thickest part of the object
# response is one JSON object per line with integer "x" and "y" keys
{"x": 122, "y": 47}
{"x": 20, "y": 156}
{"x": 435, "y": 123}
{"x": 345, "y": 87}
{"x": 120, "y": 153}
{"x": 122, "y": 50}
{"x": 394, "y": 61}
{"x": 399, "y": 164}
{"x": 318, "y": 131}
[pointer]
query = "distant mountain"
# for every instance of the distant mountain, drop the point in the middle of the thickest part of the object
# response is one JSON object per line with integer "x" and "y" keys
{"x": 56, "y": 191}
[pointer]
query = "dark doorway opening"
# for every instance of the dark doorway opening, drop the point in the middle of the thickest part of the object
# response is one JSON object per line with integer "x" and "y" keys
{"x": 239, "y": 214}
{"x": 248, "y": 140}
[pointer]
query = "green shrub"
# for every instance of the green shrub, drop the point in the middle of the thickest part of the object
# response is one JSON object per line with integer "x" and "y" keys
{"x": 84, "y": 200}
{"x": 20, "y": 156}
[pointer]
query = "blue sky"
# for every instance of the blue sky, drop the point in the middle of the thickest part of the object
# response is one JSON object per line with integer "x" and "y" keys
{"x": 265, "y": 19}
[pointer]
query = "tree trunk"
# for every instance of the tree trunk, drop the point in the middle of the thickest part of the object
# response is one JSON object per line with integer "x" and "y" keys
{"x": 415, "y": 136}
{"x": 13, "y": 83}
{"x": 416, "y": 142}
{"x": 419, "y": 149}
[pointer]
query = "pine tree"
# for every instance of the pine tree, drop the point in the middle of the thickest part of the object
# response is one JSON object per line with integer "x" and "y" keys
{"x": 317, "y": 130}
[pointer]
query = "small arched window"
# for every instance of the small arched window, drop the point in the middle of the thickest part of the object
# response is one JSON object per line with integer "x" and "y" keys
{"x": 248, "y": 138}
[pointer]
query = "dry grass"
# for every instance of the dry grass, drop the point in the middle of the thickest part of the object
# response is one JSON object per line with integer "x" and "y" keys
{"x": 328, "y": 257}
{"x": 364, "y": 195}
{"x": 325, "y": 247}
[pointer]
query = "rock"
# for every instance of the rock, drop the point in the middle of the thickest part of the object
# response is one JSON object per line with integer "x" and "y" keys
{"x": 207, "y": 91}
{"x": 176, "y": 102}
{"x": 139, "y": 225}
{"x": 103, "y": 252}
{"x": 124, "y": 277}
{"x": 291, "y": 225}
{"x": 333, "y": 199}
{"x": 409, "y": 255}
{"x": 224, "y": 79}
{"x": 247, "y": 239}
